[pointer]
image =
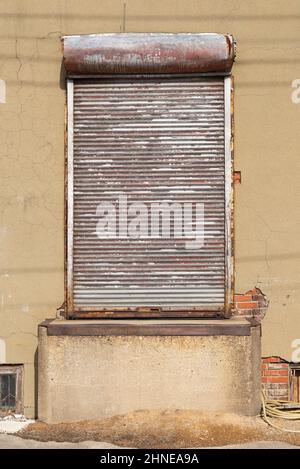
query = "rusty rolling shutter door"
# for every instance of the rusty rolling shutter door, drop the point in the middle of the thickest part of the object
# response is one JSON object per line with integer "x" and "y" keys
{"x": 153, "y": 140}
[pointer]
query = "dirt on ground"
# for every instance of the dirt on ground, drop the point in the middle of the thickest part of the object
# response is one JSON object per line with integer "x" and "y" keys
{"x": 165, "y": 429}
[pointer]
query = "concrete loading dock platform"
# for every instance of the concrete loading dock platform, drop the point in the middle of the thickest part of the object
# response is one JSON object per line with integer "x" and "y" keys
{"x": 100, "y": 368}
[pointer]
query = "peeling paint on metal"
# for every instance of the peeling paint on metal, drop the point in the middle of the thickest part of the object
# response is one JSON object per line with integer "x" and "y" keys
{"x": 179, "y": 159}
{"x": 148, "y": 53}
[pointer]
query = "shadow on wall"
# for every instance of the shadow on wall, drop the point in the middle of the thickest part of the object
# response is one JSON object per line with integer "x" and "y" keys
{"x": 36, "y": 381}
{"x": 62, "y": 76}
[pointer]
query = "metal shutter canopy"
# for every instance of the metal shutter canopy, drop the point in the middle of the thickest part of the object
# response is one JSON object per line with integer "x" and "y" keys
{"x": 154, "y": 140}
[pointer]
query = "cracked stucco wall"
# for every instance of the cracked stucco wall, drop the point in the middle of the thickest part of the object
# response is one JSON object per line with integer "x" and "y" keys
{"x": 32, "y": 153}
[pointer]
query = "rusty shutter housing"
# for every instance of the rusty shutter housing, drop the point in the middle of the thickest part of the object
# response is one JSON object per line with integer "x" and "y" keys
{"x": 155, "y": 139}
{"x": 151, "y": 53}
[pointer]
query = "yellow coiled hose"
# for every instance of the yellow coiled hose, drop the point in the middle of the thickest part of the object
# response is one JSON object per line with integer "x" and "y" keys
{"x": 287, "y": 410}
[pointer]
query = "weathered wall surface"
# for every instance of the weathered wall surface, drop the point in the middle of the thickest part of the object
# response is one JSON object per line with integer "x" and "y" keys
{"x": 32, "y": 153}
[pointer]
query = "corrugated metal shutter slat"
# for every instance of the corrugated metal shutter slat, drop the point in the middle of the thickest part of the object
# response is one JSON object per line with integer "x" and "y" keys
{"x": 155, "y": 140}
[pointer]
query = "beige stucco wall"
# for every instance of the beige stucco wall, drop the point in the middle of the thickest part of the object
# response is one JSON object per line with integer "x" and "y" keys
{"x": 32, "y": 152}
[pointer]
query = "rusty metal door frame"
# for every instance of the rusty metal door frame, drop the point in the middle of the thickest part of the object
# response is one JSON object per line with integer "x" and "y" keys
{"x": 229, "y": 227}
{"x": 141, "y": 312}
{"x": 69, "y": 200}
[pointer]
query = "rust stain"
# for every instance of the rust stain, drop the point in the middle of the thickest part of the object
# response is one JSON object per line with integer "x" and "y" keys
{"x": 237, "y": 177}
{"x": 232, "y": 273}
{"x": 148, "y": 53}
{"x": 120, "y": 128}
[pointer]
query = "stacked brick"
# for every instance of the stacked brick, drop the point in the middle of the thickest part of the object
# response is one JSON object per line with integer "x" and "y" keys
{"x": 252, "y": 304}
{"x": 275, "y": 378}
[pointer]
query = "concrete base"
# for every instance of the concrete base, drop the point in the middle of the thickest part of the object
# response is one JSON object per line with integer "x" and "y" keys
{"x": 95, "y": 376}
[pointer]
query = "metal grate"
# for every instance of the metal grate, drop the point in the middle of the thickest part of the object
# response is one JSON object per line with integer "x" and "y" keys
{"x": 11, "y": 388}
{"x": 154, "y": 141}
{"x": 8, "y": 391}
